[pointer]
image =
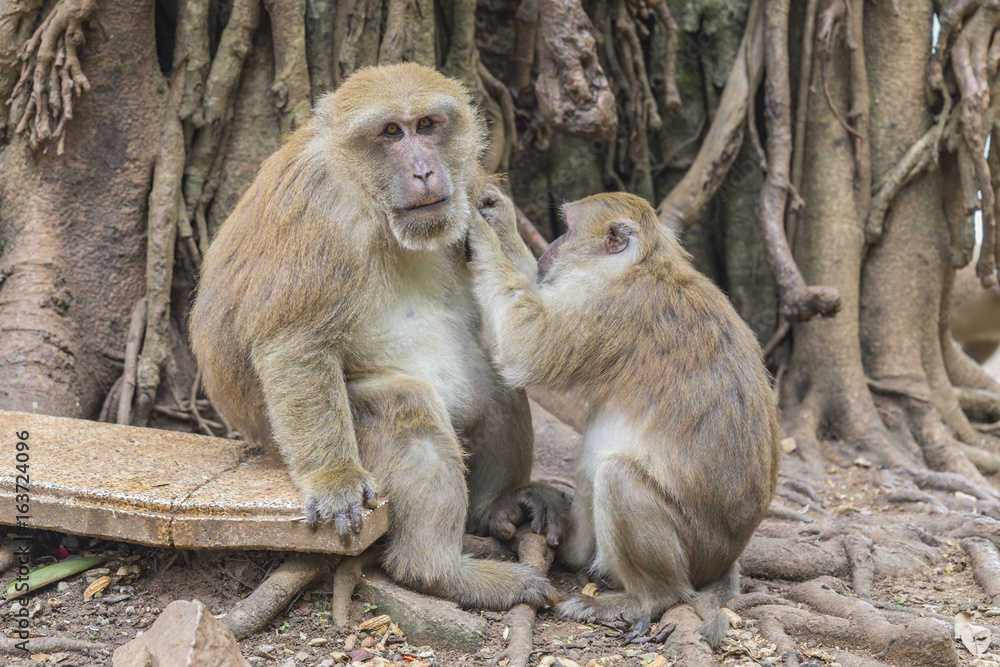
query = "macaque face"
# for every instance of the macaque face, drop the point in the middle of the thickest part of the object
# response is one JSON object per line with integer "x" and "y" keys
{"x": 409, "y": 139}
{"x": 423, "y": 187}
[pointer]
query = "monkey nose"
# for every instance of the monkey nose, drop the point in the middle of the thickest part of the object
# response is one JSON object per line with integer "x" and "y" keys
{"x": 422, "y": 174}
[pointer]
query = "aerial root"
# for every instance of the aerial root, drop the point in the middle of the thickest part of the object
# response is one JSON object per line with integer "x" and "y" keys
{"x": 49, "y": 62}
{"x": 799, "y": 301}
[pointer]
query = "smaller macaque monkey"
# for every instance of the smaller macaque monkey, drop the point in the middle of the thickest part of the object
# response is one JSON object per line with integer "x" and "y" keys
{"x": 679, "y": 457}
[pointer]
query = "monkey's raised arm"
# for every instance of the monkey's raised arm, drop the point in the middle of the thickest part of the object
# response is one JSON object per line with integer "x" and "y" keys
{"x": 303, "y": 382}
{"x": 522, "y": 328}
{"x": 498, "y": 210}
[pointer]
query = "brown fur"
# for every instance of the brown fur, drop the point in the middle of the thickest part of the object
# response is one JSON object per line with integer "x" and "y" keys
{"x": 975, "y": 314}
{"x": 335, "y": 323}
{"x": 679, "y": 458}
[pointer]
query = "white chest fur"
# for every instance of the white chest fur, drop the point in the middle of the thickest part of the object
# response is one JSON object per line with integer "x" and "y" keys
{"x": 428, "y": 329}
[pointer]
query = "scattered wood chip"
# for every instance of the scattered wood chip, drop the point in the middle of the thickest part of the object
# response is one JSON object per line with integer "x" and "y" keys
{"x": 376, "y": 622}
{"x": 735, "y": 621}
{"x": 590, "y": 590}
{"x": 862, "y": 462}
{"x": 99, "y": 585}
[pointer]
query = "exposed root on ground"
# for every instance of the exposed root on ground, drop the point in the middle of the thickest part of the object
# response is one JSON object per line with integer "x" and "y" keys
{"x": 275, "y": 594}
{"x": 534, "y": 551}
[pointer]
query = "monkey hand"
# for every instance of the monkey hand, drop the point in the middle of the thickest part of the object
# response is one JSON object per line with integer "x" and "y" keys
{"x": 339, "y": 496}
{"x": 544, "y": 505}
{"x": 498, "y": 210}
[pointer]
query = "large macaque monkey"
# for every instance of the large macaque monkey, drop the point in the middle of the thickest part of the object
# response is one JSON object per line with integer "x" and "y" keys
{"x": 679, "y": 456}
{"x": 335, "y": 322}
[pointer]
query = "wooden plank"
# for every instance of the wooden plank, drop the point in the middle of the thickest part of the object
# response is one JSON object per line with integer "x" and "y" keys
{"x": 160, "y": 488}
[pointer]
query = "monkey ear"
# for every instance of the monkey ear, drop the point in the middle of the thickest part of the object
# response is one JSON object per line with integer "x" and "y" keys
{"x": 617, "y": 238}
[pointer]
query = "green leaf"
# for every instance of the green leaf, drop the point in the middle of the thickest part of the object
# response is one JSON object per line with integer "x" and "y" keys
{"x": 50, "y": 574}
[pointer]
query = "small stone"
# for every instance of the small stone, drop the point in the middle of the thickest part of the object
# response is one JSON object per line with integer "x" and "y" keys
{"x": 350, "y": 641}
{"x": 55, "y": 603}
{"x": 184, "y": 634}
{"x": 301, "y": 656}
{"x": 266, "y": 648}
{"x": 327, "y": 663}
{"x": 318, "y": 641}
{"x": 367, "y": 641}
{"x": 62, "y": 586}
{"x": 788, "y": 445}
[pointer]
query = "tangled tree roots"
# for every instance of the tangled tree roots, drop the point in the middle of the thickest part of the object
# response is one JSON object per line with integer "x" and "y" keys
{"x": 52, "y": 69}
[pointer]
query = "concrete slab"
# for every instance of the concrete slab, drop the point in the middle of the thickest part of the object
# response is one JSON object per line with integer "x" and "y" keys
{"x": 159, "y": 488}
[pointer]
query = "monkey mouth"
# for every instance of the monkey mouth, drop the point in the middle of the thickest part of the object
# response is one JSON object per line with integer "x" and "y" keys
{"x": 426, "y": 203}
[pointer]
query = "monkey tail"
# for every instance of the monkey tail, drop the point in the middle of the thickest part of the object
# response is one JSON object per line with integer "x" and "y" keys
{"x": 710, "y": 599}
{"x": 495, "y": 585}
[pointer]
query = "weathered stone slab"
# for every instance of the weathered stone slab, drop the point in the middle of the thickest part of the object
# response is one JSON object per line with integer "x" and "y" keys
{"x": 184, "y": 634}
{"x": 160, "y": 488}
{"x": 422, "y": 618}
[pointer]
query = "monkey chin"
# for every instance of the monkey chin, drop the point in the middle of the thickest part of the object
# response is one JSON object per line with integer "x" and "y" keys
{"x": 430, "y": 227}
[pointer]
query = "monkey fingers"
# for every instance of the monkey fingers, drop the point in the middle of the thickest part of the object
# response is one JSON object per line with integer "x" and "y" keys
{"x": 496, "y": 207}
{"x": 546, "y": 507}
{"x": 339, "y": 496}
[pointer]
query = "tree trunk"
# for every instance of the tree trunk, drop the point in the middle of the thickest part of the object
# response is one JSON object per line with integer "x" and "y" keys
{"x": 72, "y": 226}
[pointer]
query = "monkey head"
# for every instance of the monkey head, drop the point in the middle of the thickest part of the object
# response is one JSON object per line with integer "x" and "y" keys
{"x": 408, "y": 139}
{"x": 606, "y": 233}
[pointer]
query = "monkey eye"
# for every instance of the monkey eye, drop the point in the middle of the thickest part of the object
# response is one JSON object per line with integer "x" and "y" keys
{"x": 392, "y": 130}
{"x": 424, "y": 123}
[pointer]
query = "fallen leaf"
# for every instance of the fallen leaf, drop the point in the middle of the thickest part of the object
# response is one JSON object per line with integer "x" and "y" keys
{"x": 658, "y": 661}
{"x": 99, "y": 585}
{"x": 359, "y": 655}
{"x": 975, "y": 638}
{"x": 50, "y": 574}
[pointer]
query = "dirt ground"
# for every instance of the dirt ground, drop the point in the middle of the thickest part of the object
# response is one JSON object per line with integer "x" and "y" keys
{"x": 303, "y": 634}
{"x": 937, "y": 582}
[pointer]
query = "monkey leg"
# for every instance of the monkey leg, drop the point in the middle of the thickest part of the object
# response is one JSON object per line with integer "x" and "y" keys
{"x": 580, "y": 546}
{"x": 407, "y": 442}
{"x": 638, "y": 545}
{"x": 501, "y": 452}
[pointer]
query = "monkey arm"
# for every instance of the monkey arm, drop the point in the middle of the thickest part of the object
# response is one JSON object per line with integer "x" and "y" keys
{"x": 498, "y": 210}
{"x": 306, "y": 395}
{"x": 514, "y": 313}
